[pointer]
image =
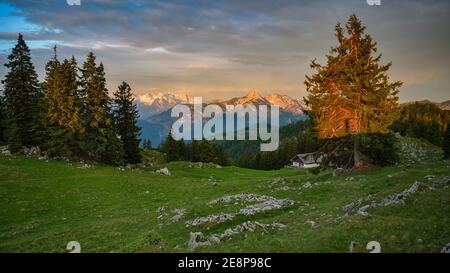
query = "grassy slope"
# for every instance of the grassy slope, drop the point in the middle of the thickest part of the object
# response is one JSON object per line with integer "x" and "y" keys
{"x": 44, "y": 205}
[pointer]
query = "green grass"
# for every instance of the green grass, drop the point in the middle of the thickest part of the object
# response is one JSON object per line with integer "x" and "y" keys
{"x": 44, "y": 205}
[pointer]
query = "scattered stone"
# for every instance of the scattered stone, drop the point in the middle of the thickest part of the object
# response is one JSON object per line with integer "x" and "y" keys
{"x": 179, "y": 213}
{"x": 307, "y": 185}
{"x": 429, "y": 177}
{"x": 370, "y": 197}
{"x": 85, "y": 166}
{"x": 363, "y": 210}
{"x": 197, "y": 239}
{"x": 312, "y": 223}
{"x": 29, "y": 151}
{"x": 247, "y": 197}
{"x": 266, "y": 206}
{"x": 265, "y": 203}
{"x": 352, "y": 205}
{"x": 160, "y": 210}
{"x": 213, "y": 218}
{"x": 5, "y": 151}
{"x": 352, "y": 246}
{"x": 279, "y": 180}
{"x": 350, "y": 178}
{"x": 412, "y": 152}
{"x": 446, "y": 248}
{"x": 394, "y": 199}
{"x": 441, "y": 183}
{"x": 164, "y": 171}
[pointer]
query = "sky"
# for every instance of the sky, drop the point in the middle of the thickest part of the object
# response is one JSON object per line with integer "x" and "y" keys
{"x": 226, "y": 48}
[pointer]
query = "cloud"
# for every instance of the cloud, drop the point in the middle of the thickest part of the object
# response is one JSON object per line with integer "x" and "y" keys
{"x": 203, "y": 66}
{"x": 158, "y": 50}
{"x": 228, "y": 45}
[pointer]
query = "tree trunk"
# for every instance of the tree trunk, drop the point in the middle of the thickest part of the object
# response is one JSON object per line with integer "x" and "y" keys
{"x": 357, "y": 156}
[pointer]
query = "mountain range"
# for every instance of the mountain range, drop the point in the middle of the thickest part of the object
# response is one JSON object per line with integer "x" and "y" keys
{"x": 443, "y": 105}
{"x": 155, "y": 110}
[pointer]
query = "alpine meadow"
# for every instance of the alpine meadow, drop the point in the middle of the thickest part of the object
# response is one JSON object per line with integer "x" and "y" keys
{"x": 103, "y": 148}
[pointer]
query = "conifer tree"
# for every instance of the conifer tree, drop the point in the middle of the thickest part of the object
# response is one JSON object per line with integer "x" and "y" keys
{"x": 96, "y": 111}
{"x": 21, "y": 98}
{"x": 146, "y": 144}
{"x": 114, "y": 153}
{"x": 125, "y": 118}
{"x": 63, "y": 115}
{"x": 74, "y": 127}
{"x": 194, "y": 151}
{"x": 352, "y": 94}
{"x": 171, "y": 148}
{"x": 52, "y": 100}
{"x": 446, "y": 145}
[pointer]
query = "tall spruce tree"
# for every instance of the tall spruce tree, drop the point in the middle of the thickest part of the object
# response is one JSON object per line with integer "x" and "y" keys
{"x": 171, "y": 148}
{"x": 96, "y": 110}
{"x": 53, "y": 104}
{"x": 125, "y": 118}
{"x": 352, "y": 94}
{"x": 22, "y": 99}
{"x": 147, "y": 144}
{"x": 73, "y": 119}
{"x": 63, "y": 107}
{"x": 446, "y": 143}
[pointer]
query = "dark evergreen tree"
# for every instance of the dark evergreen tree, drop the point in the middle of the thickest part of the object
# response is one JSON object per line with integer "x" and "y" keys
{"x": 99, "y": 134}
{"x": 447, "y": 142}
{"x": 171, "y": 149}
{"x": 22, "y": 98}
{"x": 125, "y": 117}
{"x": 352, "y": 94}
{"x": 114, "y": 153}
{"x": 74, "y": 124}
{"x": 146, "y": 144}
{"x": 194, "y": 151}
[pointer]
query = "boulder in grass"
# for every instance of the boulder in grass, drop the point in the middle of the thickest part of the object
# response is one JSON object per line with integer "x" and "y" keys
{"x": 164, "y": 171}
{"x": 446, "y": 249}
{"x": 5, "y": 151}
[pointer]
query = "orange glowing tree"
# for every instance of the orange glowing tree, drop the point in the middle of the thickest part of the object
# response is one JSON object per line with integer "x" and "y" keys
{"x": 352, "y": 94}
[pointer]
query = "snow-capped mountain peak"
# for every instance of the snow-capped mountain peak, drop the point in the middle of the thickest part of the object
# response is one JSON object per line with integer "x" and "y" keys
{"x": 150, "y": 104}
{"x": 253, "y": 97}
{"x": 287, "y": 103}
{"x": 151, "y": 98}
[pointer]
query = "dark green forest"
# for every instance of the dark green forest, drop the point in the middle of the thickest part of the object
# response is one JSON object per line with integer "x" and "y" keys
{"x": 69, "y": 114}
{"x": 423, "y": 120}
